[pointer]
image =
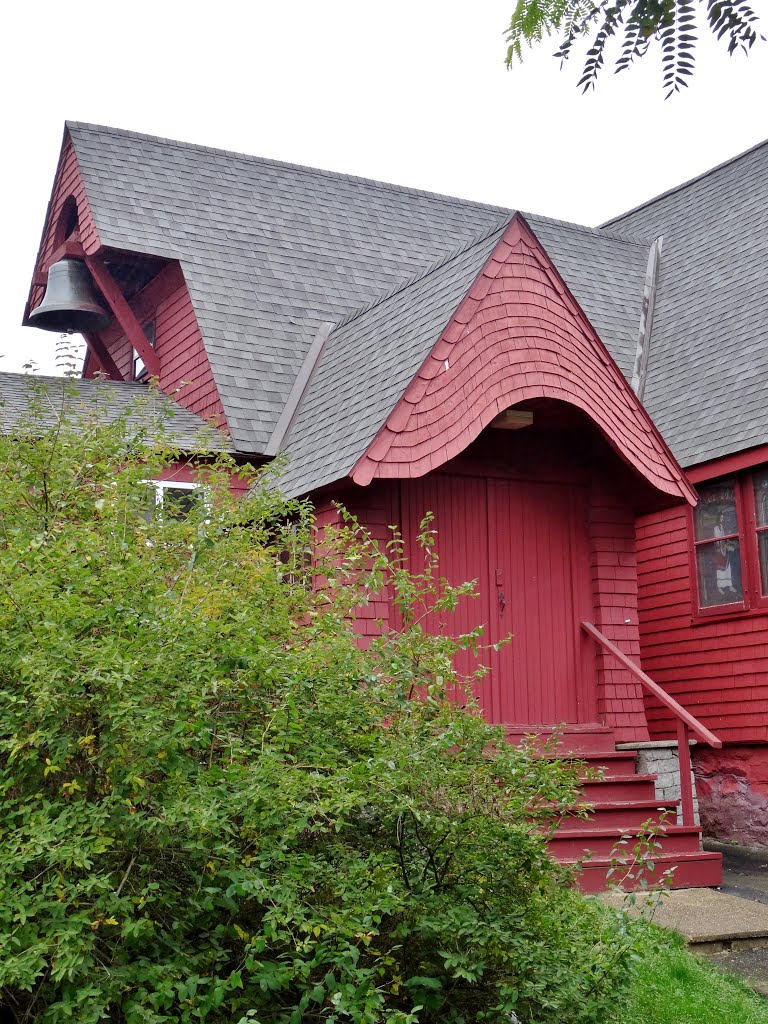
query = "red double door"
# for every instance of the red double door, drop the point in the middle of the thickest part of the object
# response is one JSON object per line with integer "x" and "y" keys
{"x": 527, "y": 545}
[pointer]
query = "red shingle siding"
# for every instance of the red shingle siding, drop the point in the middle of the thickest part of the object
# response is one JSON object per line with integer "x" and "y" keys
{"x": 375, "y": 511}
{"x": 518, "y": 335}
{"x": 614, "y": 589}
{"x": 68, "y": 182}
{"x": 184, "y": 368}
{"x": 718, "y": 670}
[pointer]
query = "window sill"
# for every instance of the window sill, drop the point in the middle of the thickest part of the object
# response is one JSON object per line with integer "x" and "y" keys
{"x": 700, "y": 619}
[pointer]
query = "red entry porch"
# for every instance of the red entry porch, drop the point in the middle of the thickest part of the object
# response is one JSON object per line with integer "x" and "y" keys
{"x": 543, "y": 518}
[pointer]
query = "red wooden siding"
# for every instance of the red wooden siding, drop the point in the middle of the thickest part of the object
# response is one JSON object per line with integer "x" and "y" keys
{"x": 184, "y": 368}
{"x": 518, "y": 335}
{"x": 460, "y": 505}
{"x": 615, "y": 599}
{"x": 376, "y": 510}
{"x": 717, "y": 668}
{"x": 68, "y": 182}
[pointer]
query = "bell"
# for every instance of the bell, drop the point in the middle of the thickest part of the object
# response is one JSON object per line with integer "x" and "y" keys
{"x": 69, "y": 304}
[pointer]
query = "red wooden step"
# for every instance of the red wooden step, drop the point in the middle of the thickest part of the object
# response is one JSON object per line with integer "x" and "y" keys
{"x": 623, "y": 814}
{"x": 604, "y": 842}
{"x": 612, "y": 762}
{"x": 574, "y": 739}
{"x": 619, "y": 787}
{"x": 692, "y": 871}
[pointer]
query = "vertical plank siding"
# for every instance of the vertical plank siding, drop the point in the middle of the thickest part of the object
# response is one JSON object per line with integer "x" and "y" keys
{"x": 717, "y": 668}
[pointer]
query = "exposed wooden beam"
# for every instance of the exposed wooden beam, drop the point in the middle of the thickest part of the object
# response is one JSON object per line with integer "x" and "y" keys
{"x": 99, "y": 349}
{"x": 70, "y": 248}
{"x": 123, "y": 313}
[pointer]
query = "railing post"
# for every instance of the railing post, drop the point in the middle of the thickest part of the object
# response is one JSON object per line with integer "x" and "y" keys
{"x": 684, "y": 763}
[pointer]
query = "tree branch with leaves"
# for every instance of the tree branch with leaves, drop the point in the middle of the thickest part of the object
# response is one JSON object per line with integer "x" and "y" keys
{"x": 636, "y": 25}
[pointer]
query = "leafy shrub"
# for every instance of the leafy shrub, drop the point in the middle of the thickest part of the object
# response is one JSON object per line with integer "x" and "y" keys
{"x": 216, "y": 807}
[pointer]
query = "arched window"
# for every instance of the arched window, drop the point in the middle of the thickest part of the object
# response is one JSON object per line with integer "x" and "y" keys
{"x": 67, "y": 222}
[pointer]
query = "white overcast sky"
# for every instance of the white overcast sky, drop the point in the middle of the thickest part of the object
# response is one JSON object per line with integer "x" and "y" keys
{"x": 410, "y": 91}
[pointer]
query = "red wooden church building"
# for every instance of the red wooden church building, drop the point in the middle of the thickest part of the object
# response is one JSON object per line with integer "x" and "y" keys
{"x": 535, "y": 384}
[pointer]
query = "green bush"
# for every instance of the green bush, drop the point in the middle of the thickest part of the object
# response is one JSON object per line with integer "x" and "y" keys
{"x": 215, "y": 807}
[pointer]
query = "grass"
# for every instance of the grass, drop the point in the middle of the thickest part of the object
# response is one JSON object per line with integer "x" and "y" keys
{"x": 674, "y": 987}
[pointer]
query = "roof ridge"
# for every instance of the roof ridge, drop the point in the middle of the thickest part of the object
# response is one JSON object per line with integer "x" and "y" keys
{"x": 83, "y": 126}
{"x": 596, "y": 232}
{"x": 421, "y": 275}
{"x": 686, "y": 184}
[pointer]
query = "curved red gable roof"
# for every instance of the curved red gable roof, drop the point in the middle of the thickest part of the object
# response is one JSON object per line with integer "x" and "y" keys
{"x": 518, "y": 335}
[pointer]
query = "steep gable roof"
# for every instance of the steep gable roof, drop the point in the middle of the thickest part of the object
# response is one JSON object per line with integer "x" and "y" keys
{"x": 271, "y": 251}
{"x": 707, "y": 380}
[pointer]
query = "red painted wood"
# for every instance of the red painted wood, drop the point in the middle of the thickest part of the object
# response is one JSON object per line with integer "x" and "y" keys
{"x": 716, "y": 667}
{"x": 460, "y": 507}
{"x": 538, "y": 541}
{"x": 680, "y": 713}
{"x": 185, "y": 371}
{"x": 728, "y": 465}
{"x": 68, "y": 182}
{"x": 518, "y": 335}
{"x": 123, "y": 313}
{"x": 102, "y": 357}
{"x": 691, "y": 871}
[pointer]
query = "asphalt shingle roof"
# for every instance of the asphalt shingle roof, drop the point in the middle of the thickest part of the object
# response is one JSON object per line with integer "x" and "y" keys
{"x": 707, "y": 383}
{"x": 48, "y": 399}
{"x": 271, "y": 251}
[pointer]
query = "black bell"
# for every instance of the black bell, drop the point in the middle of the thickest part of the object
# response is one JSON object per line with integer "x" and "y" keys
{"x": 69, "y": 304}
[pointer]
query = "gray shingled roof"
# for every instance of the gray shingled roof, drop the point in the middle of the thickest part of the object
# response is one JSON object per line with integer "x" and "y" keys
{"x": 271, "y": 250}
{"x": 707, "y": 384}
{"x": 367, "y": 364}
{"x": 53, "y": 397}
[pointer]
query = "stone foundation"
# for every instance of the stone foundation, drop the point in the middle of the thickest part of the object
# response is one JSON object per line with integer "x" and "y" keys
{"x": 732, "y": 785}
{"x": 659, "y": 757}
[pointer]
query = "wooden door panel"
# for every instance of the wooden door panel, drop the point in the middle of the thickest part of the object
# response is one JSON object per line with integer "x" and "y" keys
{"x": 528, "y": 542}
{"x": 460, "y": 508}
{"x": 538, "y": 545}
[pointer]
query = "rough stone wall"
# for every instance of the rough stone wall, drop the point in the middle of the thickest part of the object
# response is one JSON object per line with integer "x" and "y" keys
{"x": 659, "y": 758}
{"x": 732, "y": 784}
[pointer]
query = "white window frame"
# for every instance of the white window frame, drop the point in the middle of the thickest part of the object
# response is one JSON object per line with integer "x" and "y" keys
{"x": 159, "y": 488}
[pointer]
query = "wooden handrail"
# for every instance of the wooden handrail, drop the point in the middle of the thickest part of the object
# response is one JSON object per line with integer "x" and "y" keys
{"x": 685, "y": 719}
{"x": 661, "y": 695}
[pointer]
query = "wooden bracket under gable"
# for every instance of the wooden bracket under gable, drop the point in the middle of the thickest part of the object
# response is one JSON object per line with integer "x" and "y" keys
{"x": 99, "y": 349}
{"x": 123, "y": 313}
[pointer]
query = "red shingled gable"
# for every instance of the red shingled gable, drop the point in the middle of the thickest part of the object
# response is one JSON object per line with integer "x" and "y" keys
{"x": 68, "y": 183}
{"x": 518, "y": 335}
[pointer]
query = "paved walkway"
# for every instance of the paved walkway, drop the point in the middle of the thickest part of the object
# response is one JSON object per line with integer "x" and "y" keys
{"x": 728, "y": 926}
{"x": 708, "y": 917}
